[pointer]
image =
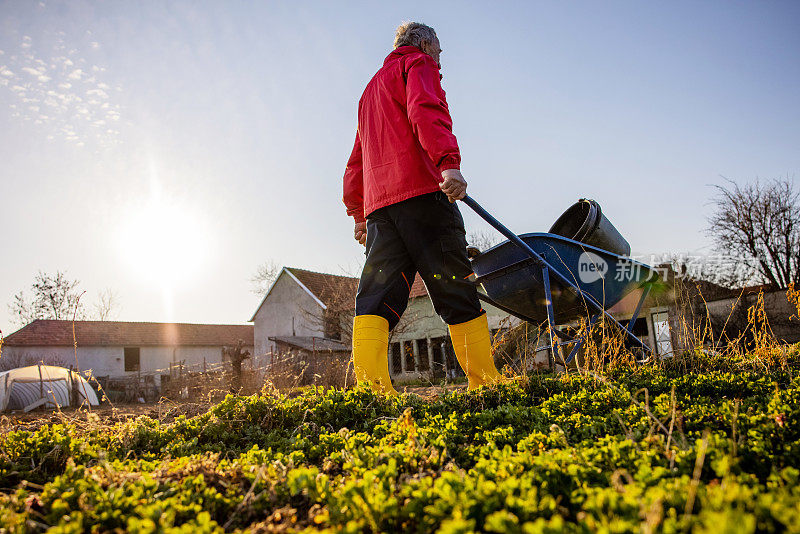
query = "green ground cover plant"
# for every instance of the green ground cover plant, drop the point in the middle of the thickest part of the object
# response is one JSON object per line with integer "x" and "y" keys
{"x": 689, "y": 445}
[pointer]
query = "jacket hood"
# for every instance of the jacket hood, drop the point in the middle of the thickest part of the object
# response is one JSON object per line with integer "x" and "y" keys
{"x": 402, "y": 51}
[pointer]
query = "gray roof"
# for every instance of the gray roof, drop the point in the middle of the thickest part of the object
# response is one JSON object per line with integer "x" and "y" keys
{"x": 313, "y": 343}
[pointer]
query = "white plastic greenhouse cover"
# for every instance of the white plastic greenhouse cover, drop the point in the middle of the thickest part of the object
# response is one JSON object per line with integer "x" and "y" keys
{"x": 24, "y": 386}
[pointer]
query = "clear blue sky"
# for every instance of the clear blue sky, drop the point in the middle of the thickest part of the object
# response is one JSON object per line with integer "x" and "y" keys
{"x": 166, "y": 149}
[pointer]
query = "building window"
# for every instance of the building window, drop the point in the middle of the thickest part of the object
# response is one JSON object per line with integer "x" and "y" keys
{"x": 131, "y": 358}
{"x": 410, "y": 363}
{"x": 437, "y": 344}
{"x": 397, "y": 365}
{"x": 422, "y": 346}
{"x": 661, "y": 334}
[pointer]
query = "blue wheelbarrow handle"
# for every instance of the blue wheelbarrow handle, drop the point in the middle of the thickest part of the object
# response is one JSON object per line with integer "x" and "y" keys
{"x": 514, "y": 238}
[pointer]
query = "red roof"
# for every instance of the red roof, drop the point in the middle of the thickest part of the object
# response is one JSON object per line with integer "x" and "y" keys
{"x": 46, "y": 333}
{"x": 418, "y": 288}
{"x": 333, "y": 290}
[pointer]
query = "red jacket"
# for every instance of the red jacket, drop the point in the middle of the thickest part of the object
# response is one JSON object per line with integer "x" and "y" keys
{"x": 405, "y": 135}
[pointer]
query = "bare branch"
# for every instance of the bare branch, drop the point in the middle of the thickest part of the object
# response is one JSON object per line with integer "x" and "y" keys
{"x": 265, "y": 276}
{"x": 760, "y": 223}
{"x": 482, "y": 239}
{"x": 107, "y": 306}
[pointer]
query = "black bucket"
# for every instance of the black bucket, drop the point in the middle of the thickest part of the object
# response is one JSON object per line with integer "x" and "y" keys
{"x": 584, "y": 221}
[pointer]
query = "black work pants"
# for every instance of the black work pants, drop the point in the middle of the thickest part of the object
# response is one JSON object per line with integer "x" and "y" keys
{"x": 423, "y": 234}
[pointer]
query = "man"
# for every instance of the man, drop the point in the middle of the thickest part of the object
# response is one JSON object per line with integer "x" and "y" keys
{"x": 400, "y": 186}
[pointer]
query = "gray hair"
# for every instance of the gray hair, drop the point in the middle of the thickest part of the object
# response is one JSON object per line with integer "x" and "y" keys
{"x": 413, "y": 34}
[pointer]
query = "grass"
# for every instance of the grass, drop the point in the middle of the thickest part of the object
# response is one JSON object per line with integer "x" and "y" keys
{"x": 707, "y": 441}
{"x": 650, "y": 448}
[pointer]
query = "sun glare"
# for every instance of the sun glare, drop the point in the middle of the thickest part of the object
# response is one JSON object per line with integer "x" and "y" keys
{"x": 164, "y": 244}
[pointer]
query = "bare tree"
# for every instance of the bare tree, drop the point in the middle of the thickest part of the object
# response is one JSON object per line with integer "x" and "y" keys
{"x": 54, "y": 297}
{"x": 336, "y": 320}
{"x": 236, "y": 355}
{"x": 760, "y": 222}
{"x": 482, "y": 240}
{"x": 265, "y": 276}
{"x": 107, "y": 306}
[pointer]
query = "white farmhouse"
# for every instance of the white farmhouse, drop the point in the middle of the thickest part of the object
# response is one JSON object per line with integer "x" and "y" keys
{"x": 304, "y": 311}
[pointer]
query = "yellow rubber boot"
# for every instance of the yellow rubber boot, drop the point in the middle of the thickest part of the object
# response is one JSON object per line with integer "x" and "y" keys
{"x": 371, "y": 352}
{"x": 473, "y": 347}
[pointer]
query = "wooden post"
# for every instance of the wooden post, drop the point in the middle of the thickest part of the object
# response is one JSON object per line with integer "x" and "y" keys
{"x": 75, "y": 390}
{"x": 316, "y": 366}
{"x": 41, "y": 383}
{"x": 70, "y": 400}
{"x": 431, "y": 368}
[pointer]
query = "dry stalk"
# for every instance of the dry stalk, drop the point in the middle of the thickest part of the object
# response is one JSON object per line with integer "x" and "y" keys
{"x": 671, "y": 456}
{"x": 75, "y": 348}
{"x": 734, "y": 427}
{"x": 628, "y": 433}
{"x": 792, "y": 294}
{"x": 653, "y": 516}
{"x": 655, "y": 420}
{"x": 245, "y": 500}
{"x": 698, "y": 469}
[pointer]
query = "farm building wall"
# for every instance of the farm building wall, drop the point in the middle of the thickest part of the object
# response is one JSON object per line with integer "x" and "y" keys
{"x": 110, "y": 361}
{"x": 286, "y": 311}
{"x": 781, "y": 315}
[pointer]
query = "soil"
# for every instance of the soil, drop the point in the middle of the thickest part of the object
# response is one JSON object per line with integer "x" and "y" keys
{"x": 106, "y": 414}
{"x": 165, "y": 411}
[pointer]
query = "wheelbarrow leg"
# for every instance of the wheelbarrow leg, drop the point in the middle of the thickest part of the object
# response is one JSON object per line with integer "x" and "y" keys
{"x": 551, "y": 320}
{"x": 579, "y": 344}
{"x": 628, "y": 330}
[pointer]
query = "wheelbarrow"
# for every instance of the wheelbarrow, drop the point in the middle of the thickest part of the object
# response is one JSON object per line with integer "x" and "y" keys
{"x": 540, "y": 277}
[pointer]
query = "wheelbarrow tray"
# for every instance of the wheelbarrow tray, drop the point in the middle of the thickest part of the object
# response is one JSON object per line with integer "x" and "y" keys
{"x": 512, "y": 279}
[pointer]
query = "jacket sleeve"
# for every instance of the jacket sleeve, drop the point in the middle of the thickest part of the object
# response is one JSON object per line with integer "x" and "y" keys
{"x": 354, "y": 183}
{"x": 429, "y": 115}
